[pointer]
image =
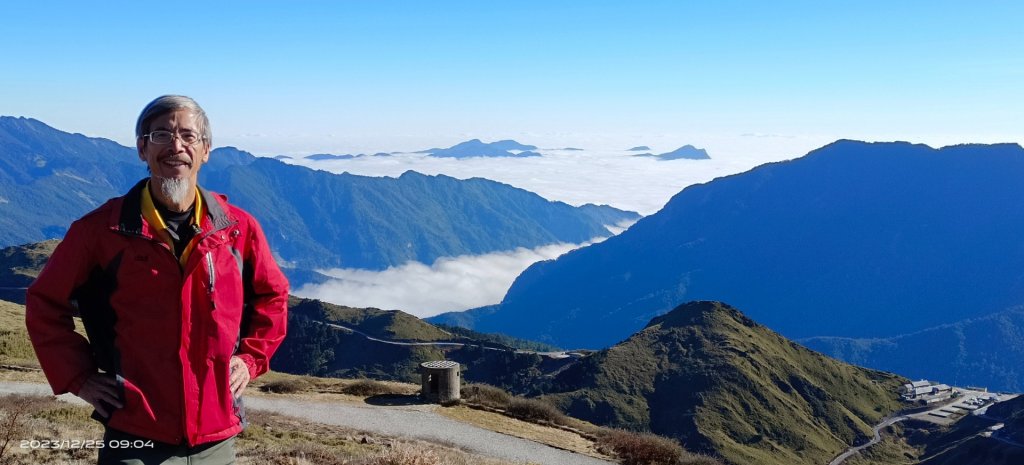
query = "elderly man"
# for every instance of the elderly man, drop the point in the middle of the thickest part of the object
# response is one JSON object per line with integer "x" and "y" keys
{"x": 180, "y": 297}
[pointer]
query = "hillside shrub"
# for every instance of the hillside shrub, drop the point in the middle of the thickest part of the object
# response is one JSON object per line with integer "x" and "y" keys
{"x": 485, "y": 394}
{"x": 367, "y": 388}
{"x": 16, "y": 411}
{"x": 649, "y": 449}
{"x": 285, "y": 386}
{"x": 535, "y": 410}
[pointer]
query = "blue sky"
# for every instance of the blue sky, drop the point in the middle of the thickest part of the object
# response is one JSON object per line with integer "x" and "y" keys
{"x": 749, "y": 81}
{"x": 735, "y": 77}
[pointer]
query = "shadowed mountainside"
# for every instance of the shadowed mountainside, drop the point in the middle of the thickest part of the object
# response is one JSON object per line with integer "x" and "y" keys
{"x": 984, "y": 351}
{"x": 860, "y": 240}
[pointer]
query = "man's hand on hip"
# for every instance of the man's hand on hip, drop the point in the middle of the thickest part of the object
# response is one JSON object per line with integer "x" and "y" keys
{"x": 101, "y": 391}
{"x": 239, "y": 376}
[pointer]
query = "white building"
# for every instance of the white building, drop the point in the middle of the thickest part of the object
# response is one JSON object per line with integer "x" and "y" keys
{"x": 924, "y": 388}
{"x": 912, "y": 387}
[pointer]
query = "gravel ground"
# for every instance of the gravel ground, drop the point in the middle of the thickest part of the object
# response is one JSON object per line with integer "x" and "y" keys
{"x": 404, "y": 421}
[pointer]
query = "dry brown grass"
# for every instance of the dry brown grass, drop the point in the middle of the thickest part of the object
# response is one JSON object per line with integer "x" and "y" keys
{"x": 30, "y": 420}
{"x": 333, "y": 389}
{"x": 648, "y": 449}
{"x": 485, "y": 394}
{"x": 285, "y": 386}
{"x": 369, "y": 387}
{"x": 526, "y": 409}
{"x": 22, "y": 374}
{"x": 15, "y": 348}
{"x": 409, "y": 455}
{"x": 554, "y": 437}
{"x": 536, "y": 410}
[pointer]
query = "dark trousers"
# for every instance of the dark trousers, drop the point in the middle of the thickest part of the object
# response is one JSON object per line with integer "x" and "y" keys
{"x": 121, "y": 448}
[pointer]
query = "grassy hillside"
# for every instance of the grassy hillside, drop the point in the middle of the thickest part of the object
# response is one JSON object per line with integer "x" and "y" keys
{"x": 315, "y": 348}
{"x": 499, "y": 339}
{"x": 20, "y": 265}
{"x": 15, "y": 348}
{"x": 719, "y": 382}
{"x": 383, "y": 324}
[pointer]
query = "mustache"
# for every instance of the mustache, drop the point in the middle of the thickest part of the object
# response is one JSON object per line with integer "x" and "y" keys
{"x": 178, "y": 158}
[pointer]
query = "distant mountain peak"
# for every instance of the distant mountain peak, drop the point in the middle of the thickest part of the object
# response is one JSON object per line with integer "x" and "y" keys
{"x": 687, "y": 152}
{"x": 699, "y": 313}
{"x": 223, "y": 157}
{"x": 24, "y": 123}
{"x": 477, "y": 148}
{"x": 23, "y": 120}
{"x": 328, "y": 156}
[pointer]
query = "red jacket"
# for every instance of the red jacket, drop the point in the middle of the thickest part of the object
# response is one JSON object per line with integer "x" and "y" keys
{"x": 167, "y": 333}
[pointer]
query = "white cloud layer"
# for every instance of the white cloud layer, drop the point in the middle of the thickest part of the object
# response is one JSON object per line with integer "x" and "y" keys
{"x": 615, "y": 178}
{"x": 450, "y": 284}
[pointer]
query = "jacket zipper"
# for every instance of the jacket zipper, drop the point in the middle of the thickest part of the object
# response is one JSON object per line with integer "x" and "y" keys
{"x": 213, "y": 278}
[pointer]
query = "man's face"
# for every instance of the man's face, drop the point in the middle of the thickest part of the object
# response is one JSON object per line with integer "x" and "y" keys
{"x": 176, "y": 159}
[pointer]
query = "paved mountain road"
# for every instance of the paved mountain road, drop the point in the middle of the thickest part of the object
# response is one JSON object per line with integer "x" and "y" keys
{"x": 878, "y": 437}
{"x": 561, "y": 354}
{"x": 418, "y": 421}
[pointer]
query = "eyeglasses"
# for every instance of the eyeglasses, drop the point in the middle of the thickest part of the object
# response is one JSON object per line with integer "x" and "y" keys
{"x": 166, "y": 137}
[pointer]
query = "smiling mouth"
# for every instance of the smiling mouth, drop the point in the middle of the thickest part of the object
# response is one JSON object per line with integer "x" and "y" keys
{"x": 176, "y": 163}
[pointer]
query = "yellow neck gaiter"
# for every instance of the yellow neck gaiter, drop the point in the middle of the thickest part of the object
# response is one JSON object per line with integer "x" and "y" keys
{"x": 152, "y": 216}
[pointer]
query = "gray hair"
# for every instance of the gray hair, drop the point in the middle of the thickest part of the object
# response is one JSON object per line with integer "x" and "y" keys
{"x": 168, "y": 103}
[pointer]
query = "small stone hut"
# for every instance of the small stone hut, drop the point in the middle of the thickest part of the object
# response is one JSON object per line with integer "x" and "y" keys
{"x": 441, "y": 381}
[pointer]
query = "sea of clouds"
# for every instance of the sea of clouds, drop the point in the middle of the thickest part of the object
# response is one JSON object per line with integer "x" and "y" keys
{"x": 616, "y": 178}
{"x": 610, "y": 177}
{"x": 449, "y": 284}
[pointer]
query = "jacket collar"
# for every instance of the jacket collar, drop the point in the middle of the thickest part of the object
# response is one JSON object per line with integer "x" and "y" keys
{"x": 130, "y": 218}
{"x": 214, "y": 209}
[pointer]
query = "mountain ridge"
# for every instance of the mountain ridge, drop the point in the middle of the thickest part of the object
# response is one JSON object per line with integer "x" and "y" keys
{"x": 65, "y": 176}
{"x": 477, "y": 148}
{"x": 855, "y": 239}
{"x": 719, "y": 382}
{"x": 686, "y": 152}
{"x": 986, "y": 350}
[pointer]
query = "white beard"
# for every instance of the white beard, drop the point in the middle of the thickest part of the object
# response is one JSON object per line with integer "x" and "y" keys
{"x": 175, "y": 189}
